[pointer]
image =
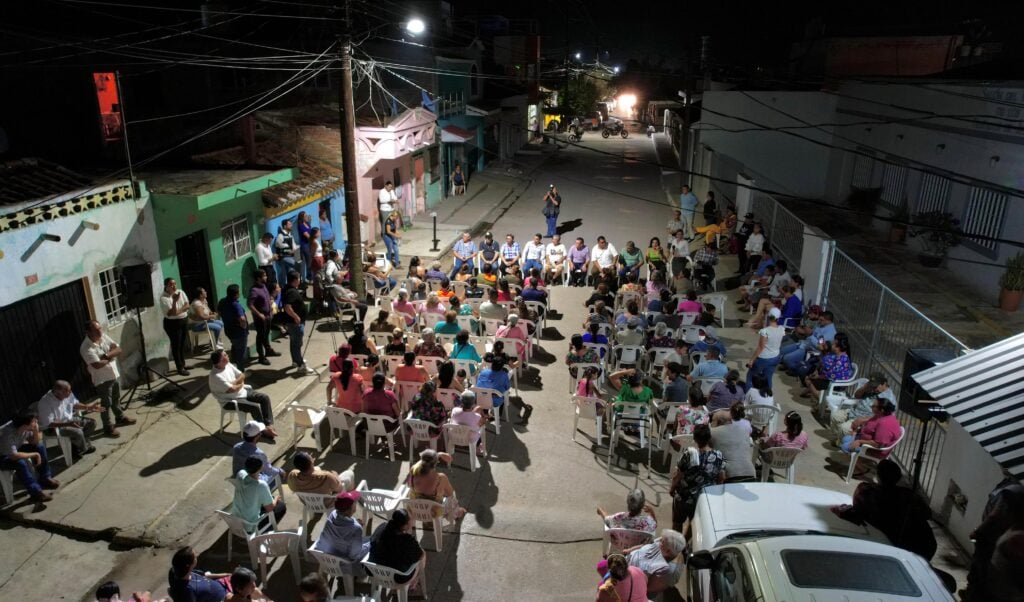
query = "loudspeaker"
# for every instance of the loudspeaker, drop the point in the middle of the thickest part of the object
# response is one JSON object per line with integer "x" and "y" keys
{"x": 910, "y": 392}
{"x": 138, "y": 285}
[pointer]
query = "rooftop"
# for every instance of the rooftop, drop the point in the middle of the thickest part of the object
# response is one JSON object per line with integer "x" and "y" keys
{"x": 198, "y": 182}
{"x": 25, "y": 180}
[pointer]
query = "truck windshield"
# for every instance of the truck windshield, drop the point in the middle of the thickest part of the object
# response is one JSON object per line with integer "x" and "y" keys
{"x": 819, "y": 569}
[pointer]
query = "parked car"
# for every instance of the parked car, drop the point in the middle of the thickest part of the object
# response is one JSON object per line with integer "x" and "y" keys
{"x": 769, "y": 542}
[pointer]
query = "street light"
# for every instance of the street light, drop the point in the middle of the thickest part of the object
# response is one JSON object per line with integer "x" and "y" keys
{"x": 616, "y": 69}
{"x": 578, "y": 55}
{"x": 415, "y": 26}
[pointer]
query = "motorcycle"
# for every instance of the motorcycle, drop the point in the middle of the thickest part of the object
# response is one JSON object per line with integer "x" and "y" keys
{"x": 614, "y": 128}
{"x": 575, "y": 134}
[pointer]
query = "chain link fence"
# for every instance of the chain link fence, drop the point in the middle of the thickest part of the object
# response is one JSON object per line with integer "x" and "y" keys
{"x": 882, "y": 326}
{"x": 784, "y": 230}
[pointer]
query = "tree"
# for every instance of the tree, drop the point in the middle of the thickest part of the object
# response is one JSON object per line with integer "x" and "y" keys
{"x": 583, "y": 95}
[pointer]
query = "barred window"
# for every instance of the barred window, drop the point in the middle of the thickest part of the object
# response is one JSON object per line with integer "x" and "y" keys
{"x": 984, "y": 216}
{"x": 894, "y": 184}
{"x": 934, "y": 193}
{"x": 115, "y": 305}
{"x": 863, "y": 168}
{"x": 234, "y": 234}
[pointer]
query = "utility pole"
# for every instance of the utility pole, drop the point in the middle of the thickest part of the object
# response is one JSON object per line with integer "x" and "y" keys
{"x": 354, "y": 248}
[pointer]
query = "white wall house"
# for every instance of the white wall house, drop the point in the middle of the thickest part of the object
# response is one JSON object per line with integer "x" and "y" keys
{"x": 60, "y": 261}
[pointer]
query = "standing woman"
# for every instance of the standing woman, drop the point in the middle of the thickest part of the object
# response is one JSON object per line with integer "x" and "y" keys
{"x": 458, "y": 181}
{"x": 174, "y": 304}
{"x": 656, "y": 257}
{"x": 753, "y": 248}
{"x": 305, "y": 238}
{"x": 552, "y": 206}
{"x": 766, "y": 357}
{"x": 316, "y": 259}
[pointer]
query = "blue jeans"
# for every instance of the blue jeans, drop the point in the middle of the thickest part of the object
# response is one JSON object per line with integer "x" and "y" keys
{"x": 627, "y": 269}
{"x": 295, "y": 334}
{"x": 529, "y": 264}
{"x": 792, "y": 355}
{"x": 25, "y": 469}
{"x": 391, "y": 244}
{"x": 844, "y": 444}
{"x": 285, "y": 265}
{"x": 307, "y": 263}
{"x": 764, "y": 367}
{"x": 552, "y": 225}
{"x": 239, "y": 349}
{"x": 216, "y": 326}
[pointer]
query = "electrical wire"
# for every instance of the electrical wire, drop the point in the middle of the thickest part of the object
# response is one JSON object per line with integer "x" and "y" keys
{"x": 199, "y": 10}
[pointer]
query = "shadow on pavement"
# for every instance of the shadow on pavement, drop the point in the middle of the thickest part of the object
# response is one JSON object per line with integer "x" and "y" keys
{"x": 189, "y": 453}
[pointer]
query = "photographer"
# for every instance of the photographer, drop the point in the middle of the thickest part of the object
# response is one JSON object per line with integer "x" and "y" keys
{"x": 845, "y": 420}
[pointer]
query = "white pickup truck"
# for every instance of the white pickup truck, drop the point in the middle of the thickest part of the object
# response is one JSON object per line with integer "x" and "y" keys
{"x": 770, "y": 542}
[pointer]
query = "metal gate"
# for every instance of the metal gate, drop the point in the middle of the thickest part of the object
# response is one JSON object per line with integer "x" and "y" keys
{"x": 882, "y": 326}
{"x": 43, "y": 335}
{"x": 784, "y": 231}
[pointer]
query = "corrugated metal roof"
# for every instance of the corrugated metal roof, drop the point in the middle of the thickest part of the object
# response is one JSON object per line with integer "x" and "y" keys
{"x": 984, "y": 392}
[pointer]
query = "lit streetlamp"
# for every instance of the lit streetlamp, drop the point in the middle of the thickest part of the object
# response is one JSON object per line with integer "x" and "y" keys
{"x": 415, "y": 26}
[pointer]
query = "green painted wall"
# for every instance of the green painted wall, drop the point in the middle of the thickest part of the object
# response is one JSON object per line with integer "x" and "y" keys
{"x": 178, "y": 216}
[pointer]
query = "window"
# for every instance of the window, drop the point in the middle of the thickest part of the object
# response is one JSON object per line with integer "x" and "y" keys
{"x": 730, "y": 579}
{"x": 984, "y": 216}
{"x": 235, "y": 236}
{"x": 934, "y": 193}
{"x": 435, "y": 163}
{"x": 894, "y": 184}
{"x": 863, "y": 168}
{"x": 115, "y": 305}
{"x": 860, "y": 572}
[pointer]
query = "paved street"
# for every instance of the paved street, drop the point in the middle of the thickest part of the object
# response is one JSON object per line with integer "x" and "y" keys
{"x": 531, "y": 532}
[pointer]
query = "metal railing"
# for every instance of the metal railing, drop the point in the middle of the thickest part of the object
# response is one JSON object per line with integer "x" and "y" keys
{"x": 784, "y": 230}
{"x": 881, "y": 327}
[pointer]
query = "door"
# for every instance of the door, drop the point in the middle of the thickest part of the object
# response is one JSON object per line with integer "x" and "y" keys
{"x": 194, "y": 265}
{"x": 420, "y": 189}
{"x": 45, "y": 333}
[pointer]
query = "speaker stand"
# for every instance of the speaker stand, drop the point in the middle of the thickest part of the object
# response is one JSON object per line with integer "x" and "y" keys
{"x": 144, "y": 371}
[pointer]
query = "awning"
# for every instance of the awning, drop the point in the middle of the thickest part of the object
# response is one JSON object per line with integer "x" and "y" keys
{"x": 984, "y": 392}
{"x": 457, "y": 135}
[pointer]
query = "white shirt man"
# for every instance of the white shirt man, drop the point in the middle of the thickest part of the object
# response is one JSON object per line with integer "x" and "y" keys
{"x": 94, "y": 353}
{"x": 222, "y": 382}
{"x": 679, "y": 246}
{"x": 100, "y": 352}
{"x": 264, "y": 254}
{"x": 603, "y": 257}
{"x": 555, "y": 253}
{"x": 56, "y": 409}
{"x": 387, "y": 199}
{"x": 533, "y": 255}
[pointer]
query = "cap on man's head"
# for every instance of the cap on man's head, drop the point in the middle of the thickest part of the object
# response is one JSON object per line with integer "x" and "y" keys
{"x": 748, "y": 216}
{"x": 253, "y": 428}
{"x": 488, "y": 235}
{"x": 345, "y": 500}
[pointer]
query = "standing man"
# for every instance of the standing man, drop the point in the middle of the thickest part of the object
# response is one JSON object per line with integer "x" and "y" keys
{"x": 99, "y": 352}
{"x": 326, "y": 230}
{"x": 22, "y": 449}
{"x": 286, "y": 248}
{"x": 554, "y": 260}
{"x": 533, "y": 255}
{"x": 387, "y": 202}
{"x": 262, "y": 312}
{"x": 175, "y": 306}
{"x": 688, "y": 207}
{"x": 392, "y": 236}
{"x": 236, "y": 326}
{"x": 552, "y": 206}
{"x": 305, "y": 239}
{"x": 579, "y": 257}
{"x": 295, "y": 306}
{"x": 57, "y": 411}
{"x": 490, "y": 252}
{"x": 510, "y": 252}
{"x": 265, "y": 257}
{"x": 464, "y": 251}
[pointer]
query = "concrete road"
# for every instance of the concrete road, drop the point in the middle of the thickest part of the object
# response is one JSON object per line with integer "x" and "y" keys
{"x": 531, "y": 532}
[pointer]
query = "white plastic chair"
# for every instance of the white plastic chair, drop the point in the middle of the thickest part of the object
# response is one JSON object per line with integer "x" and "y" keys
{"x": 460, "y": 435}
{"x": 862, "y": 453}
{"x": 684, "y": 441}
{"x": 762, "y": 417}
{"x": 380, "y": 502}
{"x": 430, "y": 363}
{"x": 490, "y": 325}
{"x": 377, "y": 426}
{"x": 471, "y": 367}
{"x": 406, "y": 390}
{"x": 707, "y": 383}
{"x": 430, "y": 320}
{"x": 334, "y": 567}
{"x": 586, "y": 407}
{"x": 466, "y": 323}
{"x": 449, "y": 398}
{"x": 581, "y": 369}
{"x": 779, "y": 458}
{"x": 459, "y": 288}
{"x": 689, "y": 333}
{"x": 426, "y": 511}
{"x": 617, "y": 540}
{"x": 238, "y": 410}
{"x": 434, "y": 284}
{"x": 603, "y": 350}
{"x": 61, "y": 441}
{"x": 194, "y": 335}
{"x": 485, "y": 398}
{"x": 444, "y": 340}
{"x": 656, "y": 363}
{"x": 688, "y": 317}
{"x": 418, "y": 430}
{"x": 343, "y": 420}
{"x": 380, "y": 339}
{"x": 719, "y": 301}
{"x": 664, "y": 425}
{"x": 542, "y": 313}
{"x": 315, "y": 503}
{"x": 236, "y": 528}
{"x": 7, "y": 485}
{"x": 276, "y": 544}
{"x": 307, "y": 417}
{"x": 840, "y": 386}
{"x": 382, "y": 580}
{"x": 635, "y": 415}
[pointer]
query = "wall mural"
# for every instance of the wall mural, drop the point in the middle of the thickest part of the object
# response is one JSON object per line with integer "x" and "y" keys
{"x": 43, "y": 213}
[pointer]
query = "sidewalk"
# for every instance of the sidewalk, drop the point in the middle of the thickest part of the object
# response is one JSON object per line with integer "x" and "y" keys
{"x": 489, "y": 194}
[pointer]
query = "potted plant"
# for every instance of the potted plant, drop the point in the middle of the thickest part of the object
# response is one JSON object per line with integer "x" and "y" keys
{"x": 898, "y": 227}
{"x": 1012, "y": 283}
{"x": 938, "y": 232}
